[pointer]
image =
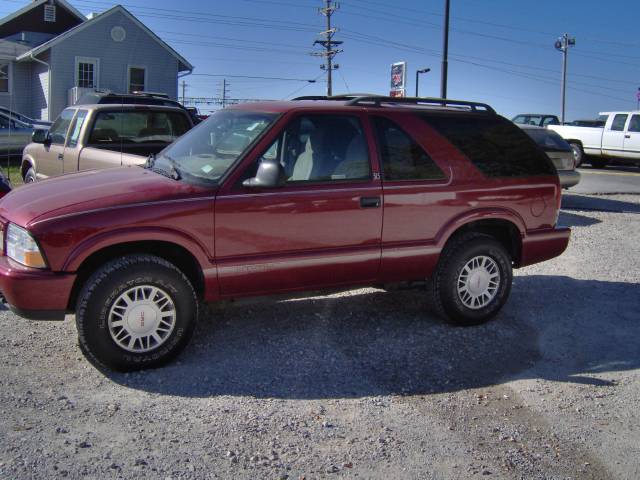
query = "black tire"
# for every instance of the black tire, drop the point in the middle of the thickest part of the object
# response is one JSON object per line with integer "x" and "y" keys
{"x": 443, "y": 285}
{"x": 107, "y": 285}
{"x": 578, "y": 153}
{"x": 599, "y": 163}
{"x": 30, "y": 176}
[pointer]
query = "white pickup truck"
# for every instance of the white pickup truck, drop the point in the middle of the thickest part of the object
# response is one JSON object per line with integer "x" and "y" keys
{"x": 619, "y": 139}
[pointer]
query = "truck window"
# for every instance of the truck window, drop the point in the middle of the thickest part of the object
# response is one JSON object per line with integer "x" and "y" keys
{"x": 402, "y": 157}
{"x": 76, "y": 127}
{"x": 618, "y": 122}
{"x": 58, "y": 131}
{"x": 494, "y": 145}
{"x": 634, "y": 124}
{"x": 137, "y": 132}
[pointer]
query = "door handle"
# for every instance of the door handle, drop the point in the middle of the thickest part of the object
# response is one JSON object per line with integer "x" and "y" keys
{"x": 370, "y": 202}
{"x": 627, "y": 136}
{"x": 61, "y": 156}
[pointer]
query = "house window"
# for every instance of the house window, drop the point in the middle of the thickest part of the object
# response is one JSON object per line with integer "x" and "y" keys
{"x": 136, "y": 79}
{"x": 4, "y": 78}
{"x": 86, "y": 72}
{"x": 50, "y": 13}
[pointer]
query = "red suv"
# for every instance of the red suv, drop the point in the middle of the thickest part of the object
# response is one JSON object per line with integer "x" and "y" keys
{"x": 279, "y": 197}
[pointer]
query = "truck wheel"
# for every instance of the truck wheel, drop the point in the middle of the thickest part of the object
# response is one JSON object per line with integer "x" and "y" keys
{"x": 578, "y": 154}
{"x": 30, "y": 176}
{"x": 135, "y": 312}
{"x": 598, "y": 163}
{"x": 472, "y": 280}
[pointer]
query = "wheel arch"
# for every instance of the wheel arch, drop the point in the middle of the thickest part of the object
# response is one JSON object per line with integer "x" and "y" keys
{"x": 173, "y": 252}
{"x": 505, "y": 227}
{"x": 27, "y": 163}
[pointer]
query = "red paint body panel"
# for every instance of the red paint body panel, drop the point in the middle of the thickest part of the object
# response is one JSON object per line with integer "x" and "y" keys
{"x": 254, "y": 242}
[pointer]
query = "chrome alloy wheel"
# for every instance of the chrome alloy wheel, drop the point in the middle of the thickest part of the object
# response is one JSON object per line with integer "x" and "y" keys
{"x": 142, "y": 318}
{"x": 478, "y": 282}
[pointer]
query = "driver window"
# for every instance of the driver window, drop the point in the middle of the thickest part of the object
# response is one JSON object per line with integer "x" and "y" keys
{"x": 58, "y": 132}
{"x": 322, "y": 148}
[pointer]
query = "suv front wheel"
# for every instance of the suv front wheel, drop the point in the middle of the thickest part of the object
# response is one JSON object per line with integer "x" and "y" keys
{"x": 472, "y": 280}
{"x": 135, "y": 312}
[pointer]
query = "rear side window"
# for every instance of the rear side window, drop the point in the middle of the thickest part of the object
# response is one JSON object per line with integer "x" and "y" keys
{"x": 618, "y": 122}
{"x": 137, "y": 132}
{"x": 494, "y": 145}
{"x": 634, "y": 124}
{"x": 402, "y": 157}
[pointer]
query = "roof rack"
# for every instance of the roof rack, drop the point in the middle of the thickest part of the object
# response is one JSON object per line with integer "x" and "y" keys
{"x": 358, "y": 99}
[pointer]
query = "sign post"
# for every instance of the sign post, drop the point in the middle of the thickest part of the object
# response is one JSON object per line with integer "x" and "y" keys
{"x": 398, "y": 79}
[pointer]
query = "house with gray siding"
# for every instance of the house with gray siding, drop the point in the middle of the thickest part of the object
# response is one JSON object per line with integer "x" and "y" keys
{"x": 51, "y": 54}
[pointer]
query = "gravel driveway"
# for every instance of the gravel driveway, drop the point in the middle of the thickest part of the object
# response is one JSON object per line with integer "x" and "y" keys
{"x": 359, "y": 384}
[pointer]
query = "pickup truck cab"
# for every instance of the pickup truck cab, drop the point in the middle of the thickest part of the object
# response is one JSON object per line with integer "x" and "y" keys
{"x": 86, "y": 137}
{"x": 618, "y": 139}
{"x": 278, "y": 197}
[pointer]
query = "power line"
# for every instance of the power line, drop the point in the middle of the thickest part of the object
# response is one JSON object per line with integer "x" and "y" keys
{"x": 253, "y": 77}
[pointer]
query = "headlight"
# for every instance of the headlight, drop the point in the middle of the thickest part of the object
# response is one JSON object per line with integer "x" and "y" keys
{"x": 22, "y": 248}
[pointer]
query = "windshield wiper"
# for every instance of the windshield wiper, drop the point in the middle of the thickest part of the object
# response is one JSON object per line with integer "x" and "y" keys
{"x": 173, "y": 173}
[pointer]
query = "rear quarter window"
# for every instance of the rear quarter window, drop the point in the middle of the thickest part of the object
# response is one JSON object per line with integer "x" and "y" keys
{"x": 494, "y": 145}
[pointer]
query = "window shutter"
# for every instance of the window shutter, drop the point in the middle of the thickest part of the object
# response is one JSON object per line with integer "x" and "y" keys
{"x": 50, "y": 13}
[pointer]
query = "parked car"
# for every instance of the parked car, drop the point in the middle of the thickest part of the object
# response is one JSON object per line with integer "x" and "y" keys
{"x": 87, "y": 137}
{"x": 14, "y": 135}
{"x": 278, "y": 197}
{"x": 24, "y": 119}
{"x": 618, "y": 140}
{"x": 5, "y": 184}
{"x": 536, "y": 119}
{"x": 101, "y": 97}
{"x": 559, "y": 151}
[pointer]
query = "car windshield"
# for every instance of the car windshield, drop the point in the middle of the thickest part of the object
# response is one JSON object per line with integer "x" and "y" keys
{"x": 206, "y": 152}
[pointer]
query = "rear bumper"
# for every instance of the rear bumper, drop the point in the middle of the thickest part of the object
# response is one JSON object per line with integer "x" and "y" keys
{"x": 568, "y": 178}
{"x": 544, "y": 245}
{"x": 35, "y": 294}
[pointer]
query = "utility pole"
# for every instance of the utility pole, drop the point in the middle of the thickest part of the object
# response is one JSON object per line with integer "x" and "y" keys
{"x": 328, "y": 43}
{"x": 445, "y": 52}
{"x": 184, "y": 88}
{"x": 563, "y": 44}
{"x": 418, "y": 72}
{"x": 224, "y": 94}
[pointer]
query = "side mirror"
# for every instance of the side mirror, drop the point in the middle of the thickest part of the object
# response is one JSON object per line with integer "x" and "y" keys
{"x": 270, "y": 174}
{"x": 41, "y": 136}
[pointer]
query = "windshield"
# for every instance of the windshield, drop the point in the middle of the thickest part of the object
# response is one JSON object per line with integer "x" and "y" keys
{"x": 206, "y": 152}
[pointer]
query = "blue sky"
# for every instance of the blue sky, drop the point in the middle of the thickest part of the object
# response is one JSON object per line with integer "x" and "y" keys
{"x": 501, "y": 51}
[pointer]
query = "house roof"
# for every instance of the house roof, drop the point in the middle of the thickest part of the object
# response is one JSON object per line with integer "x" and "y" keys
{"x": 24, "y": 17}
{"x": 10, "y": 49}
{"x": 183, "y": 64}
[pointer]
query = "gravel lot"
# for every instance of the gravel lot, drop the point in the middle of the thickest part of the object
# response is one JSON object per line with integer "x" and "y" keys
{"x": 358, "y": 384}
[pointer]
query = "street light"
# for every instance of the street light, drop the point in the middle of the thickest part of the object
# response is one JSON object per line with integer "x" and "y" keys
{"x": 418, "y": 72}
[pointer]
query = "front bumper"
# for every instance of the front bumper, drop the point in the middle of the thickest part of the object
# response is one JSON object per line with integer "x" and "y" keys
{"x": 543, "y": 245}
{"x": 35, "y": 294}
{"x": 568, "y": 178}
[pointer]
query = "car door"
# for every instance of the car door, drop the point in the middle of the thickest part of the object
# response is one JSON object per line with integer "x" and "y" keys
{"x": 613, "y": 135}
{"x": 50, "y": 156}
{"x": 632, "y": 138}
{"x": 321, "y": 228}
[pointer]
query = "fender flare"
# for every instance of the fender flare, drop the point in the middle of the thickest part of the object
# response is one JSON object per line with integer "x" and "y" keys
{"x": 112, "y": 238}
{"x": 466, "y": 218}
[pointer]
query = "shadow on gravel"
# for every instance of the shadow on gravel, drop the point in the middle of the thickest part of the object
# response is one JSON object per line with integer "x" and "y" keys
{"x": 373, "y": 343}
{"x": 598, "y": 204}
{"x": 567, "y": 219}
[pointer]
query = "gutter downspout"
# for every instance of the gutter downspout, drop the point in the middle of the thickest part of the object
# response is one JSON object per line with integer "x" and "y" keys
{"x": 48, "y": 83}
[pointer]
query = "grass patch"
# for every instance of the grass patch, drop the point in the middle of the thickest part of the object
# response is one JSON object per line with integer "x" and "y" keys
{"x": 12, "y": 170}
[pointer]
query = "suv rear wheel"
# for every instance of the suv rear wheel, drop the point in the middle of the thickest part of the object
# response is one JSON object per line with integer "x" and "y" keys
{"x": 472, "y": 280}
{"x": 135, "y": 312}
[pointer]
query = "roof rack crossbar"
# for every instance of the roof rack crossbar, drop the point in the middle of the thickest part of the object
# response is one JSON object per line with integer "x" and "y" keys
{"x": 445, "y": 102}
